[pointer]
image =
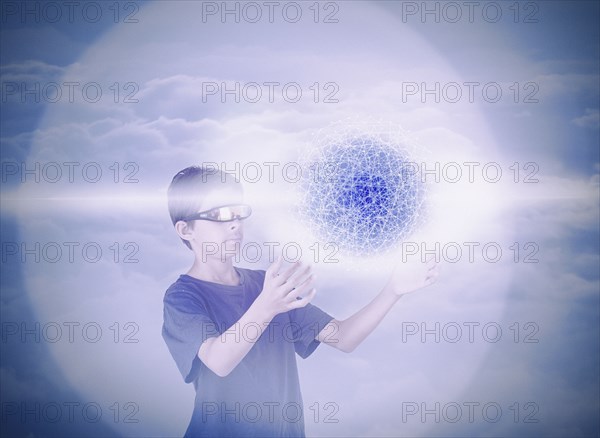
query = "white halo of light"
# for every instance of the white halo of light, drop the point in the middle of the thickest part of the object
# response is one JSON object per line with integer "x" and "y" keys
{"x": 172, "y": 128}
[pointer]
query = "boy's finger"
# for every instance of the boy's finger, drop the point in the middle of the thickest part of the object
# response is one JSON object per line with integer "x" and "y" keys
{"x": 432, "y": 276}
{"x": 430, "y": 280}
{"x": 290, "y": 271}
{"x": 300, "y": 289}
{"x": 273, "y": 270}
{"x": 296, "y": 304}
{"x": 430, "y": 260}
{"x": 300, "y": 274}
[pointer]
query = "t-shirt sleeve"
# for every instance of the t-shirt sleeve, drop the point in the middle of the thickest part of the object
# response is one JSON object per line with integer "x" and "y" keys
{"x": 307, "y": 322}
{"x": 186, "y": 326}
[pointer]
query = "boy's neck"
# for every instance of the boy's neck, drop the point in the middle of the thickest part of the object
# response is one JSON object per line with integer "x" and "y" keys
{"x": 215, "y": 271}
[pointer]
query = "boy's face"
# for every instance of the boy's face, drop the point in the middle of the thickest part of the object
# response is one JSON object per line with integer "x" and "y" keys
{"x": 220, "y": 240}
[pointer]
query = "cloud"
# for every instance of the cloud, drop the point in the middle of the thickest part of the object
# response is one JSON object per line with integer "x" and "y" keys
{"x": 30, "y": 70}
{"x": 590, "y": 119}
{"x": 38, "y": 44}
{"x": 552, "y": 85}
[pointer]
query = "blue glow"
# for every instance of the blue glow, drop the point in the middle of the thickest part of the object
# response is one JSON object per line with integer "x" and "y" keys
{"x": 360, "y": 192}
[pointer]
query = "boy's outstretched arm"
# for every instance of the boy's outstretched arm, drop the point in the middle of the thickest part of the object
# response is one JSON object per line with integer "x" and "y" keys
{"x": 408, "y": 277}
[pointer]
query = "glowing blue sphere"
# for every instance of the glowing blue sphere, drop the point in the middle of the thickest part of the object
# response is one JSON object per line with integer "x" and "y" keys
{"x": 361, "y": 192}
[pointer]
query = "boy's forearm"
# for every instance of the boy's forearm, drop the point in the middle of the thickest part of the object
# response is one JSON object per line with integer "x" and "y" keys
{"x": 282, "y": 291}
{"x": 223, "y": 353}
{"x": 353, "y": 330}
{"x": 406, "y": 278}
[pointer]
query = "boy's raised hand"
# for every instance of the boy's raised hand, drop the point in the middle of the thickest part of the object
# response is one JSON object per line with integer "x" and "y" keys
{"x": 283, "y": 289}
{"x": 413, "y": 275}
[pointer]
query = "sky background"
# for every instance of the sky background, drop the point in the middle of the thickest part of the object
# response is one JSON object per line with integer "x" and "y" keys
{"x": 114, "y": 376}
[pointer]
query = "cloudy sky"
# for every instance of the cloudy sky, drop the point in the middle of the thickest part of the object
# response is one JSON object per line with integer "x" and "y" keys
{"x": 102, "y": 103}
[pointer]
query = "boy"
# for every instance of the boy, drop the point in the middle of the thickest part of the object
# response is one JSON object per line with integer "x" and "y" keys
{"x": 234, "y": 332}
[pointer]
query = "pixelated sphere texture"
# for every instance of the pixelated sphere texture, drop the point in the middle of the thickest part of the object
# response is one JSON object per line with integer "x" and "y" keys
{"x": 360, "y": 188}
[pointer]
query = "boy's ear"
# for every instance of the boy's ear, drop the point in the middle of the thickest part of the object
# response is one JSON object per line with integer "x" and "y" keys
{"x": 184, "y": 230}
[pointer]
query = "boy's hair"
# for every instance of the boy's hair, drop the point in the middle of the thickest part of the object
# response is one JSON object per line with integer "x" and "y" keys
{"x": 187, "y": 190}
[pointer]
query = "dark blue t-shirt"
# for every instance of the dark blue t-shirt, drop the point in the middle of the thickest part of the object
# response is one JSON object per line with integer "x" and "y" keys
{"x": 261, "y": 396}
